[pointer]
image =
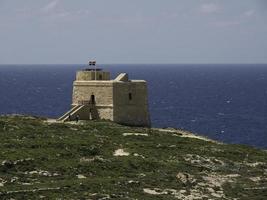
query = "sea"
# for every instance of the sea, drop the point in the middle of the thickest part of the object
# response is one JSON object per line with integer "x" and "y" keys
{"x": 227, "y": 103}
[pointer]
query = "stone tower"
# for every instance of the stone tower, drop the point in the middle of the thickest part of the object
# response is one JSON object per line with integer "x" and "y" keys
{"x": 96, "y": 96}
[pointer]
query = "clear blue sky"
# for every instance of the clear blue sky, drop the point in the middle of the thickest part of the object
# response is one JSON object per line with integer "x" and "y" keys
{"x": 133, "y": 31}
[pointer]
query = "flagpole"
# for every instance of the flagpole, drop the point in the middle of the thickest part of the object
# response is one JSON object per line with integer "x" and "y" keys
{"x": 95, "y": 71}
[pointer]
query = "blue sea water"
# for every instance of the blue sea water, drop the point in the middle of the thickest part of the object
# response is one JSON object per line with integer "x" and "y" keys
{"x": 224, "y": 102}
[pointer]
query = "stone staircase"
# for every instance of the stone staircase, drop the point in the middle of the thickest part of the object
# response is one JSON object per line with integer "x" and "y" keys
{"x": 72, "y": 112}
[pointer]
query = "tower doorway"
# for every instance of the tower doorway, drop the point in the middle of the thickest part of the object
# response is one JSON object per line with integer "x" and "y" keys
{"x": 92, "y": 99}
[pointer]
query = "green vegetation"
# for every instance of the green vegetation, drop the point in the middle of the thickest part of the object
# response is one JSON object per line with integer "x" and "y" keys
{"x": 103, "y": 160}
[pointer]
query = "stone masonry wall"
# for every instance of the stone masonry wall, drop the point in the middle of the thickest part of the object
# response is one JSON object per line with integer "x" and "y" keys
{"x": 131, "y": 103}
{"x": 103, "y": 93}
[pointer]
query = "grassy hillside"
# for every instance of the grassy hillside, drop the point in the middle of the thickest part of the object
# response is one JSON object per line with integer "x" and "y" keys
{"x": 103, "y": 160}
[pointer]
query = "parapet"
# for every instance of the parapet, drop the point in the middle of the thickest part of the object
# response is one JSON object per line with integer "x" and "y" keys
{"x": 92, "y": 75}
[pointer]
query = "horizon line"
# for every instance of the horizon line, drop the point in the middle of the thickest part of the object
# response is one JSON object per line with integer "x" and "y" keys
{"x": 138, "y": 64}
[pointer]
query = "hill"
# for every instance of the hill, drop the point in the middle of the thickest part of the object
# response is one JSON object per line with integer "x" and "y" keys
{"x": 41, "y": 159}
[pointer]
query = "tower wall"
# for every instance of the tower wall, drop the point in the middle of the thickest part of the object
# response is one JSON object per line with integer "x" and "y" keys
{"x": 131, "y": 103}
{"x": 103, "y": 96}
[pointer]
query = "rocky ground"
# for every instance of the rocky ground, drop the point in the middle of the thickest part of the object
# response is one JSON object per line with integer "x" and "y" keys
{"x": 42, "y": 159}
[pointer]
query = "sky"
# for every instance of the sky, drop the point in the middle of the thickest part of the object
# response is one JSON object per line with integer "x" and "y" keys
{"x": 133, "y": 31}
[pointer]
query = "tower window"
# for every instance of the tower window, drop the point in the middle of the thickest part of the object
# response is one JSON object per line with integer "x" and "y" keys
{"x": 130, "y": 96}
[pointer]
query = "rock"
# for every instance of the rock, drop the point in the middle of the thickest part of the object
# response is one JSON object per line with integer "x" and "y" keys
{"x": 137, "y": 155}
{"x": 14, "y": 179}
{"x": 255, "y": 179}
{"x": 80, "y": 176}
{"x": 7, "y": 163}
{"x": 211, "y": 190}
{"x": 184, "y": 178}
{"x": 141, "y": 175}
{"x": 216, "y": 195}
{"x": 182, "y": 191}
{"x": 154, "y": 191}
{"x": 121, "y": 152}
{"x": 132, "y": 181}
{"x": 96, "y": 158}
{"x": 26, "y": 183}
{"x": 135, "y": 134}
{"x": 33, "y": 172}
